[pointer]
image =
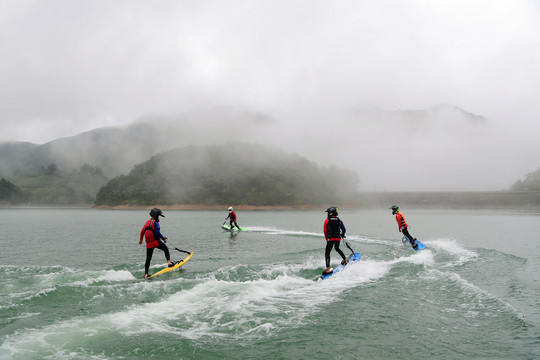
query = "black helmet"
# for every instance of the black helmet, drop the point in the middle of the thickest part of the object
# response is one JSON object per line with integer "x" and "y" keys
{"x": 332, "y": 211}
{"x": 395, "y": 209}
{"x": 155, "y": 212}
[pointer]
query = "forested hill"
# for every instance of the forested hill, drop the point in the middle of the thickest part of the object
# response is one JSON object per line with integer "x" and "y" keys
{"x": 531, "y": 182}
{"x": 235, "y": 173}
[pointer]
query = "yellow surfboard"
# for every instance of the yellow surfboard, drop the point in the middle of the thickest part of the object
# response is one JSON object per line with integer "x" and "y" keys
{"x": 176, "y": 266}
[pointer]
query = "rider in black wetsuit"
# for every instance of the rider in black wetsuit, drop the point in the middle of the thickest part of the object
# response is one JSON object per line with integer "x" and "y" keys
{"x": 334, "y": 230}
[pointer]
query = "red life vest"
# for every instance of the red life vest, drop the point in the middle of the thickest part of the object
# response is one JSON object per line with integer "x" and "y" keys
{"x": 150, "y": 235}
{"x": 332, "y": 229}
{"x": 401, "y": 220}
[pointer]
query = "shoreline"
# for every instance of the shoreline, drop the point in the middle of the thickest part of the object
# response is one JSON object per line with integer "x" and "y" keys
{"x": 529, "y": 200}
{"x": 209, "y": 207}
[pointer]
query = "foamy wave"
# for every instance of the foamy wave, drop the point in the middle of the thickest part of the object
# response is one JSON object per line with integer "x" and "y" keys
{"x": 45, "y": 284}
{"x": 275, "y": 231}
{"x": 22, "y": 316}
{"x": 362, "y": 272}
{"x": 424, "y": 257}
{"x": 368, "y": 240}
{"x": 350, "y": 237}
{"x": 15, "y": 298}
{"x": 452, "y": 247}
{"x": 294, "y": 232}
{"x": 475, "y": 292}
{"x": 86, "y": 278}
{"x": 274, "y": 297}
{"x": 115, "y": 275}
{"x": 211, "y": 308}
{"x": 260, "y": 228}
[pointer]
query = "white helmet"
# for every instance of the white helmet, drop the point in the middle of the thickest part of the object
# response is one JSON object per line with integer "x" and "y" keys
{"x": 230, "y": 208}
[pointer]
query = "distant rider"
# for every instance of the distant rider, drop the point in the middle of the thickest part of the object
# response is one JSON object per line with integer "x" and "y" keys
{"x": 232, "y": 217}
{"x": 153, "y": 236}
{"x": 334, "y": 230}
{"x": 402, "y": 225}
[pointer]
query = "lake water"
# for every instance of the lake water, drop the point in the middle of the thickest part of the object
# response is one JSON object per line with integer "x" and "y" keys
{"x": 71, "y": 287}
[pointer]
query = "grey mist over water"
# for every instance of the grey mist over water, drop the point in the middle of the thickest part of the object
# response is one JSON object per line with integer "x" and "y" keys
{"x": 413, "y": 95}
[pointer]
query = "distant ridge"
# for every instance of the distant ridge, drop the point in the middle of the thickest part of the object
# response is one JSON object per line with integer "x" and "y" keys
{"x": 441, "y": 147}
{"x": 234, "y": 173}
{"x": 116, "y": 149}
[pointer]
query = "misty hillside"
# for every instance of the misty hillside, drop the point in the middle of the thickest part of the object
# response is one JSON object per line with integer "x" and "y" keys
{"x": 441, "y": 118}
{"x": 51, "y": 186}
{"x": 11, "y": 194}
{"x": 22, "y": 157}
{"x": 439, "y": 148}
{"x": 116, "y": 149}
{"x": 530, "y": 182}
{"x": 234, "y": 173}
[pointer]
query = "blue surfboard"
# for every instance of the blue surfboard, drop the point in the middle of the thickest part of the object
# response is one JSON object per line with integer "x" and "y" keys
{"x": 420, "y": 246}
{"x": 353, "y": 258}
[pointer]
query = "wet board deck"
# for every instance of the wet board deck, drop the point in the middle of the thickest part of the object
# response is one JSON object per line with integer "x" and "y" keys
{"x": 176, "y": 266}
{"x": 353, "y": 258}
{"x": 228, "y": 228}
{"x": 420, "y": 246}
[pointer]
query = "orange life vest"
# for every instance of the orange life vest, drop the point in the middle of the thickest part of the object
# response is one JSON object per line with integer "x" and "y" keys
{"x": 401, "y": 220}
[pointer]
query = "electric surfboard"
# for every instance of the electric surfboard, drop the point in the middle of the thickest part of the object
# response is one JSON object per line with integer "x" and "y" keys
{"x": 407, "y": 242}
{"x": 353, "y": 258}
{"x": 176, "y": 266}
{"x": 228, "y": 228}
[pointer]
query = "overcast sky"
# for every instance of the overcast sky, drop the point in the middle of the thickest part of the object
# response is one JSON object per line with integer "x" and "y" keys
{"x": 68, "y": 66}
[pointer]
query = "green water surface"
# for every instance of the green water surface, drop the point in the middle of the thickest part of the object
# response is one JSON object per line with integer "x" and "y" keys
{"x": 71, "y": 287}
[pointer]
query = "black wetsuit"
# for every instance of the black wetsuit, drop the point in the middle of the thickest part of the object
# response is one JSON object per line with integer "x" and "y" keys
{"x": 334, "y": 229}
{"x": 150, "y": 251}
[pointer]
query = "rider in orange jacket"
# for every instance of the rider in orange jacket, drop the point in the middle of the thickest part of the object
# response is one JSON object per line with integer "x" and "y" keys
{"x": 402, "y": 225}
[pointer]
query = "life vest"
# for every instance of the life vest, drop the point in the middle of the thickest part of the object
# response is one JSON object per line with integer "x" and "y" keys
{"x": 232, "y": 216}
{"x": 150, "y": 234}
{"x": 401, "y": 220}
{"x": 333, "y": 228}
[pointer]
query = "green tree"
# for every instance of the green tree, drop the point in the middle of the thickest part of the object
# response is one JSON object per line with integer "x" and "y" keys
{"x": 531, "y": 182}
{"x": 12, "y": 193}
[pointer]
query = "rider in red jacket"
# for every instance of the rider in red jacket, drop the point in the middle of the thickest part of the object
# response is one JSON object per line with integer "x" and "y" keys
{"x": 152, "y": 234}
{"x": 334, "y": 230}
{"x": 232, "y": 217}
